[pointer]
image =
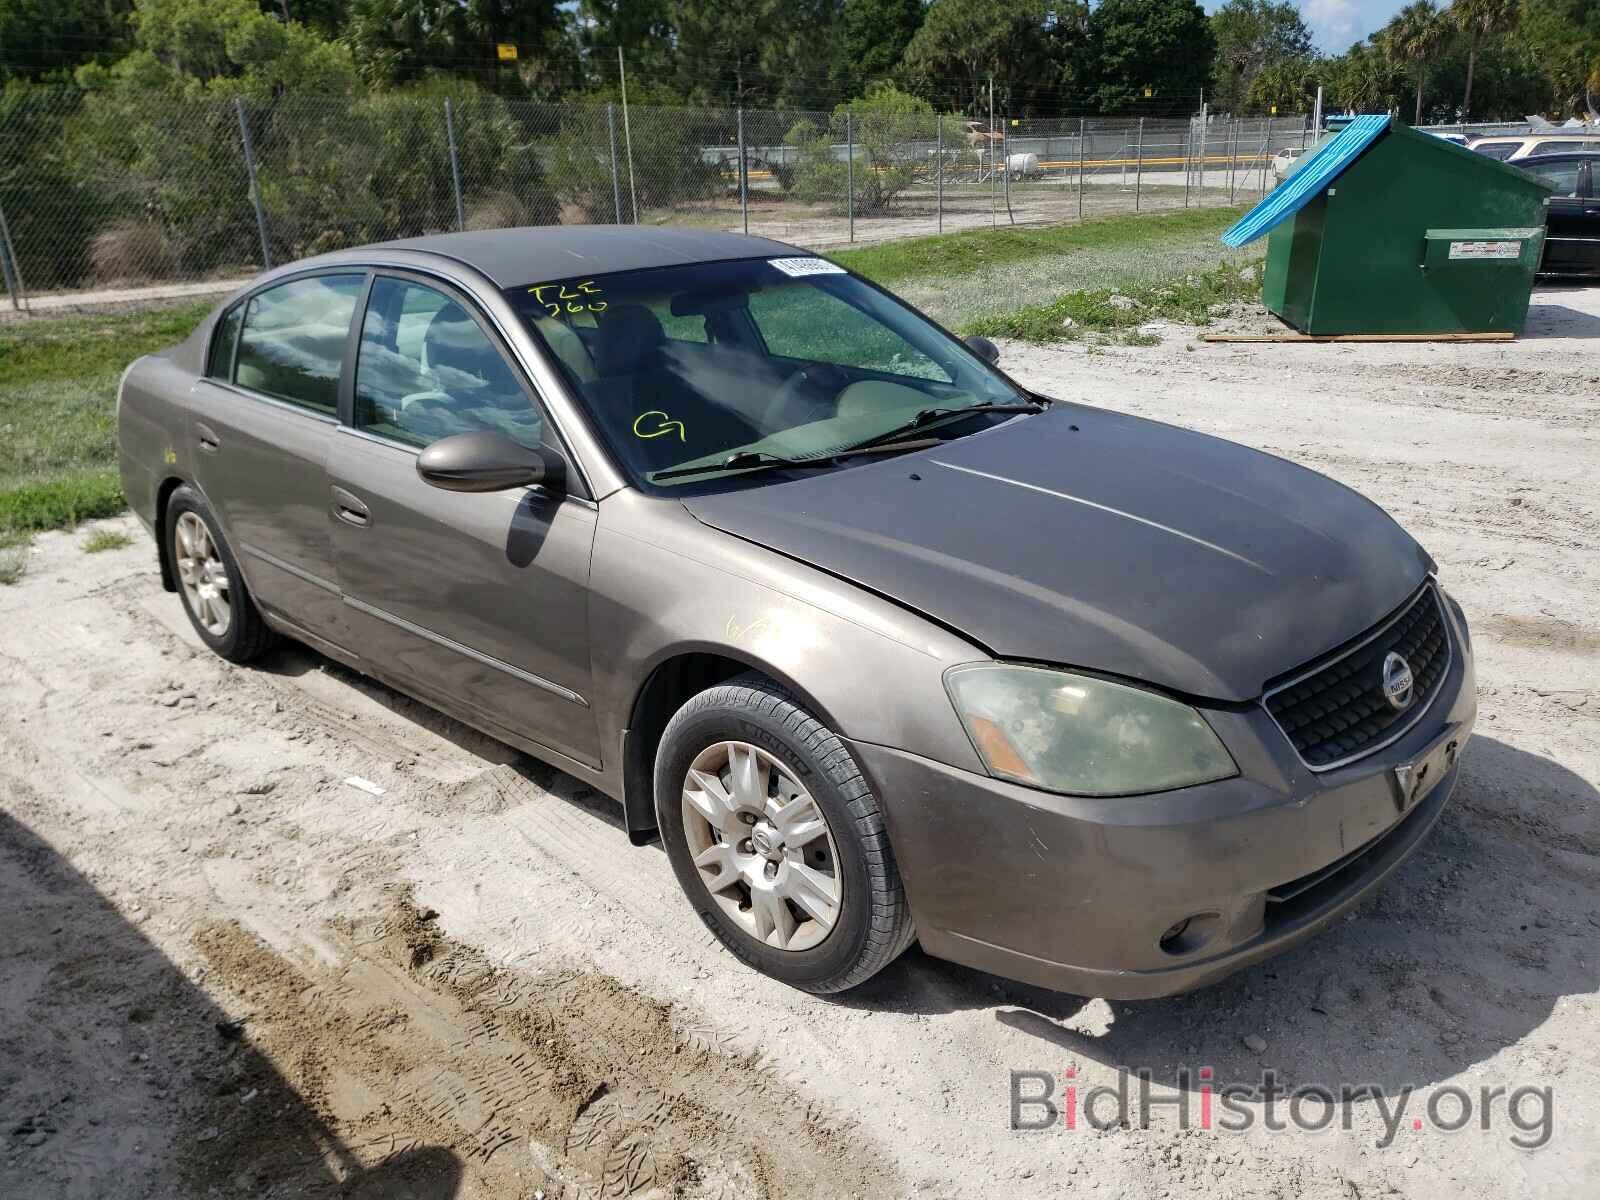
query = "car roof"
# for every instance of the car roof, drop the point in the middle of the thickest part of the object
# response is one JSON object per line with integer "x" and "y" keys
{"x": 513, "y": 257}
{"x": 1561, "y": 156}
{"x": 1545, "y": 135}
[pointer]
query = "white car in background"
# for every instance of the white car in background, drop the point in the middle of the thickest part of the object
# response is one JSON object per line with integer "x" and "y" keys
{"x": 1512, "y": 147}
{"x": 1285, "y": 161}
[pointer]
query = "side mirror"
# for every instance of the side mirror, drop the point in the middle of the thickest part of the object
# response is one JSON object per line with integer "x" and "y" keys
{"x": 984, "y": 349}
{"x": 488, "y": 462}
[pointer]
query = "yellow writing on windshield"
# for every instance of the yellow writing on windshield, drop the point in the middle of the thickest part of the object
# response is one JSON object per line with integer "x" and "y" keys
{"x": 665, "y": 426}
{"x": 570, "y": 298}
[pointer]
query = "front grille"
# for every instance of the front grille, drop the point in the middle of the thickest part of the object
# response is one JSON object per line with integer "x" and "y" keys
{"x": 1336, "y": 711}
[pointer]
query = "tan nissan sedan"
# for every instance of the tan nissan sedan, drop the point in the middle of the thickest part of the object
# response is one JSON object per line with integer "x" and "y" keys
{"x": 883, "y": 646}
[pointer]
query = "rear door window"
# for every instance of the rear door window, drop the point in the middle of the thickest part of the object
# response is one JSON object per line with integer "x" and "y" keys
{"x": 1500, "y": 150}
{"x": 291, "y": 346}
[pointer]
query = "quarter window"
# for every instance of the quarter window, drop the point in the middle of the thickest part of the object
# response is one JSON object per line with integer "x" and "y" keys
{"x": 292, "y": 343}
{"x": 426, "y": 370}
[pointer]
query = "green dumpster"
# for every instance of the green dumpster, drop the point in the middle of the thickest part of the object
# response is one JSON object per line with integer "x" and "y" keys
{"x": 1384, "y": 230}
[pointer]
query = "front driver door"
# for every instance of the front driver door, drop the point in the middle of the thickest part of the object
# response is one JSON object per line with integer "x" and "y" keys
{"x": 478, "y": 601}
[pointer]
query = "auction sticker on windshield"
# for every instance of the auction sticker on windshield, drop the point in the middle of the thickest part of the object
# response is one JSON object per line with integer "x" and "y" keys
{"x": 799, "y": 267}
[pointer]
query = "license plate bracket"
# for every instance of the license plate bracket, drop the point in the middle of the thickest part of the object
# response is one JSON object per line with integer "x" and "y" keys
{"x": 1410, "y": 782}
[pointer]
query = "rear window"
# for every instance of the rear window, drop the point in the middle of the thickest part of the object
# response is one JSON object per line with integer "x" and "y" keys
{"x": 1500, "y": 150}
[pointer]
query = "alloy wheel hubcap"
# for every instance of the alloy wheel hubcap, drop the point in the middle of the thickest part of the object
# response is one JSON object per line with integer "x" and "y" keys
{"x": 762, "y": 846}
{"x": 202, "y": 574}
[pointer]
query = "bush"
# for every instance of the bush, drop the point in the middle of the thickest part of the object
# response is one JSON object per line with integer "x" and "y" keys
{"x": 130, "y": 251}
{"x": 894, "y": 134}
{"x": 498, "y": 210}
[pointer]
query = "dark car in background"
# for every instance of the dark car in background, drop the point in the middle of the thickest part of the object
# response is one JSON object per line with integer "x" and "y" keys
{"x": 1572, "y": 221}
{"x": 885, "y": 646}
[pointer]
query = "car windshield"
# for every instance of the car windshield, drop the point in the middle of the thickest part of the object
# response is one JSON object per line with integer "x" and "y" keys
{"x": 792, "y": 358}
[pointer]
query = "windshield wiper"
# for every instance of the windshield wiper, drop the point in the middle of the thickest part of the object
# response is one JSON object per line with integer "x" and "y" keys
{"x": 889, "y": 441}
{"x": 934, "y": 418}
{"x": 744, "y": 461}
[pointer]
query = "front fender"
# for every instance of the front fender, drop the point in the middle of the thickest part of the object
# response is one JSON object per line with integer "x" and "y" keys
{"x": 664, "y": 585}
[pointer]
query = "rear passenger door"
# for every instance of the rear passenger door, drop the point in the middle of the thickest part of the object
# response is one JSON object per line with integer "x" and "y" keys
{"x": 477, "y": 602}
{"x": 263, "y": 420}
{"x": 1565, "y": 225}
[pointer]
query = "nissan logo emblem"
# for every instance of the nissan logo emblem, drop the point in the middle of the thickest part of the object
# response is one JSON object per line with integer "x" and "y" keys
{"x": 1398, "y": 683}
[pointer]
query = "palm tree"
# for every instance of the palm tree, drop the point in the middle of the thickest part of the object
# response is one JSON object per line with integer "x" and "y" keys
{"x": 1480, "y": 20}
{"x": 1414, "y": 38}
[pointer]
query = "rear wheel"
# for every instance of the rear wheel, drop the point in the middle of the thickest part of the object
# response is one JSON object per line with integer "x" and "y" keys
{"x": 777, "y": 840}
{"x": 213, "y": 590}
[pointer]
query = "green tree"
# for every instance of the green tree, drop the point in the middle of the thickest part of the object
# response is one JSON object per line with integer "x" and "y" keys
{"x": 1251, "y": 36}
{"x": 224, "y": 45}
{"x": 1163, "y": 48}
{"x": 870, "y": 40}
{"x": 889, "y": 128}
{"x": 1031, "y": 48}
{"x": 1480, "y": 20}
{"x": 1507, "y": 82}
{"x": 397, "y": 41}
{"x": 1289, "y": 86}
{"x": 1565, "y": 37}
{"x": 41, "y": 38}
{"x": 1364, "y": 80}
{"x": 644, "y": 31}
{"x": 1415, "y": 39}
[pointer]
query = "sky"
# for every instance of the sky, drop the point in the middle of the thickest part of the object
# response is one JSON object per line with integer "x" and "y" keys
{"x": 1335, "y": 24}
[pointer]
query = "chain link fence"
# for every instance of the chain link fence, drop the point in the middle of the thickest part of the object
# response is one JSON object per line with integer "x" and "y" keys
{"x": 116, "y": 192}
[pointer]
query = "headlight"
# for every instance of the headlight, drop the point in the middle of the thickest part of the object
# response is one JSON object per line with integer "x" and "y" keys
{"x": 1083, "y": 735}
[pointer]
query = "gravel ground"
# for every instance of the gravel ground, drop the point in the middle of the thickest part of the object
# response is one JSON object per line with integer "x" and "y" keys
{"x": 279, "y": 931}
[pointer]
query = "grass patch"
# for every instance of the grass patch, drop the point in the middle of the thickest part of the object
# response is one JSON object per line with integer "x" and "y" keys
{"x": 102, "y": 540}
{"x": 1187, "y": 298}
{"x": 13, "y": 556}
{"x": 966, "y": 280}
{"x": 58, "y": 387}
{"x": 63, "y": 349}
{"x": 984, "y": 249}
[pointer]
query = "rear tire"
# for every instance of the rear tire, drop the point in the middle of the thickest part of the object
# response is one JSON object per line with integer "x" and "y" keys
{"x": 777, "y": 840}
{"x": 209, "y": 580}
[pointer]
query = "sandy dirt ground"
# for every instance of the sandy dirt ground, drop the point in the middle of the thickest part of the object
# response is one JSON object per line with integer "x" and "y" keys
{"x": 278, "y": 931}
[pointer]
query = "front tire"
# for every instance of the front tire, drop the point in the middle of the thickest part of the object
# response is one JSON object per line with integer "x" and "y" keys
{"x": 777, "y": 840}
{"x": 209, "y": 581}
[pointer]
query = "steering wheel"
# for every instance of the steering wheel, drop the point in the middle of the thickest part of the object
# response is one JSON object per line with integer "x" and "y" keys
{"x": 790, "y": 394}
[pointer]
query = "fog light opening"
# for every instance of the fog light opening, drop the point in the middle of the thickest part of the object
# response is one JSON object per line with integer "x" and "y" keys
{"x": 1191, "y": 934}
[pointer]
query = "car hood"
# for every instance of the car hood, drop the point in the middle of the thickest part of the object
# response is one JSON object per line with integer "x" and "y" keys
{"x": 1098, "y": 540}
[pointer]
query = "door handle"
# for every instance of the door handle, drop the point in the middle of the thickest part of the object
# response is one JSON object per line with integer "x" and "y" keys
{"x": 349, "y": 508}
{"x": 207, "y": 437}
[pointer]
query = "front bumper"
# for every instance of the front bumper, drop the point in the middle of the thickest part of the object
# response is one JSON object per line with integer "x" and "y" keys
{"x": 1077, "y": 894}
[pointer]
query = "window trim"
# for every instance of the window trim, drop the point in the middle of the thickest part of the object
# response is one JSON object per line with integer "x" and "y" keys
{"x": 266, "y": 286}
{"x": 212, "y": 340}
{"x": 491, "y": 329}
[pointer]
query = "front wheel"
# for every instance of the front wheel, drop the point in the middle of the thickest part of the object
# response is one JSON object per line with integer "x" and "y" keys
{"x": 777, "y": 840}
